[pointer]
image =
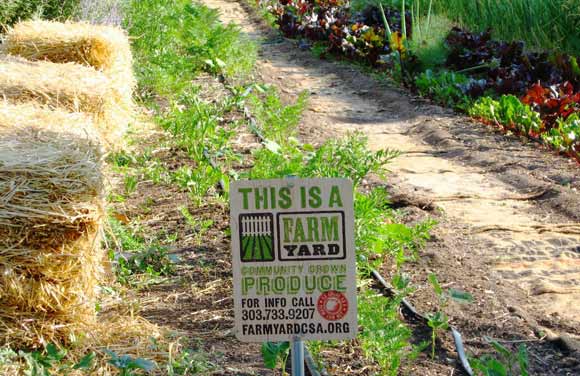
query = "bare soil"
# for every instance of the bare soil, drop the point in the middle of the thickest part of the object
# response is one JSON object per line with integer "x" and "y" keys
{"x": 508, "y": 221}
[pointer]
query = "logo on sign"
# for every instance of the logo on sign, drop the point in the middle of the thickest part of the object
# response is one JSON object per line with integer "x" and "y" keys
{"x": 311, "y": 236}
{"x": 256, "y": 237}
{"x": 332, "y": 305}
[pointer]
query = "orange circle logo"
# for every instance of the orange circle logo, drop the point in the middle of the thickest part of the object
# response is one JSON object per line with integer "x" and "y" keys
{"x": 332, "y": 305}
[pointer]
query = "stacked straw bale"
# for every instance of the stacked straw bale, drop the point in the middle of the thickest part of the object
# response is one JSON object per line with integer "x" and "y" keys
{"x": 51, "y": 207}
{"x": 57, "y": 108}
{"x": 105, "y": 48}
{"x": 70, "y": 87}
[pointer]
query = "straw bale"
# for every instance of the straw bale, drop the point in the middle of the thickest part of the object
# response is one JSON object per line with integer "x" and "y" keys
{"x": 99, "y": 46}
{"x": 104, "y": 48}
{"x": 51, "y": 190}
{"x": 71, "y": 87}
{"x": 31, "y": 119}
{"x": 51, "y": 208}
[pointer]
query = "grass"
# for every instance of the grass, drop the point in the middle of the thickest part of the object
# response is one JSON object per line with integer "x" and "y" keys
{"x": 552, "y": 25}
{"x": 428, "y": 42}
{"x": 543, "y": 25}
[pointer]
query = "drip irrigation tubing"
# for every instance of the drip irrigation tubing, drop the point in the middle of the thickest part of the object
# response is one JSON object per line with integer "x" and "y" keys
{"x": 389, "y": 291}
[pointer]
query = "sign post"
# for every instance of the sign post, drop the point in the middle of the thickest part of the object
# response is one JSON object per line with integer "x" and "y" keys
{"x": 293, "y": 261}
{"x": 297, "y": 357}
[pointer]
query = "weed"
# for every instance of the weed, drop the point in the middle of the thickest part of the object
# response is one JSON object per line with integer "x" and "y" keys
{"x": 120, "y": 159}
{"x": 127, "y": 365}
{"x": 52, "y": 359}
{"x": 275, "y": 354}
{"x": 136, "y": 256}
{"x": 130, "y": 184}
{"x": 189, "y": 362}
{"x": 199, "y": 227}
{"x": 504, "y": 363}
{"x": 438, "y": 320}
{"x": 7, "y": 355}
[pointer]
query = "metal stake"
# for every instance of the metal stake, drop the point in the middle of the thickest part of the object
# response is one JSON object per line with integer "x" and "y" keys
{"x": 297, "y": 357}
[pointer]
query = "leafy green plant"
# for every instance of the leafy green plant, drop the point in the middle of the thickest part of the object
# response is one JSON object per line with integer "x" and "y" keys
{"x": 189, "y": 362}
{"x": 504, "y": 363}
{"x": 508, "y": 111}
{"x": 128, "y": 365}
{"x": 348, "y": 157}
{"x": 7, "y": 355}
{"x": 276, "y": 120}
{"x": 438, "y": 320}
{"x": 195, "y": 124}
{"x": 182, "y": 40}
{"x": 384, "y": 338}
{"x": 444, "y": 87}
{"x": 377, "y": 234}
{"x": 275, "y": 354}
{"x": 12, "y": 11}
{"x": 135, "y": 255}
{"x": 199, "y": 227}
{"x": 130, "y": 184}
{"x": 566, "y": 135}
{"x": 197, "y": 181}
{"x": 52, "y": 359}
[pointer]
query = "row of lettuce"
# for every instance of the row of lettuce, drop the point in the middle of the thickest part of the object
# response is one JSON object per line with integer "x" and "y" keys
{"x": 529, "y": 93}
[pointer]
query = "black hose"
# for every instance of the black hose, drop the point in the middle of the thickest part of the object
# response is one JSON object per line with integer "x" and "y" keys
{"x": 214, "y": 165}
{"x": 390, "y": 291}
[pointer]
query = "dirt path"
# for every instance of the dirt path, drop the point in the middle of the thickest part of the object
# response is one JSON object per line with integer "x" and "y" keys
{"x": 508, "y": 212}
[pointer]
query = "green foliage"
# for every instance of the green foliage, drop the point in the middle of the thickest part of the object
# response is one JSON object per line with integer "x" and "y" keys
{"x": 137, "y": 257}
{"x": 127, "y": 365}
{"x": 546, "y": 25}
{"x": 176, "y": 40}
{"x": 11, "y": 11}
{"x": 196, "y": 125}
{"x": 348, "y": 157}
{"x": 438, "y": 320}
{"x": 199, "y": 227}
{"x": 377, "y": 235}
{"x": 428, "y": 42}
{"x": 566, "y": 135}
{"x": 508, "y": 111}
{"x": 443, "y": 87}
{"x": 198, "y": 181}
{"x": 384, "y": 338}
{"x": 277, "y": 121}
{"x": 52, "y": 360}
{"x": 189, "y": 362}
{"x": 503, "y": 363}
{"x": 275, "y": 354}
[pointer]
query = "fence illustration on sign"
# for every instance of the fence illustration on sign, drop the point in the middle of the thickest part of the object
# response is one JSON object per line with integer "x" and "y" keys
{"x": 256, "y": 237}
